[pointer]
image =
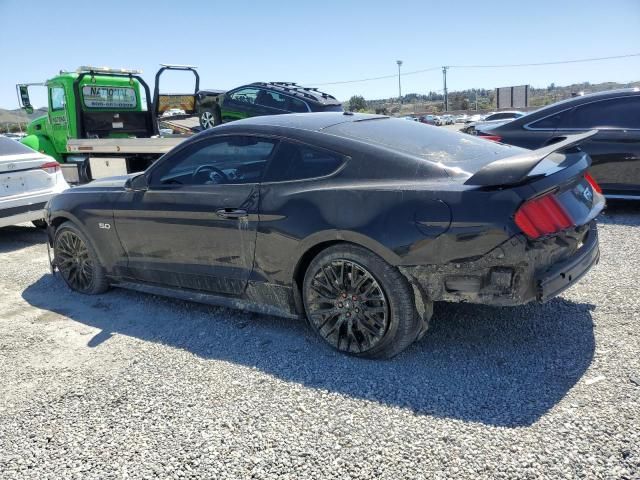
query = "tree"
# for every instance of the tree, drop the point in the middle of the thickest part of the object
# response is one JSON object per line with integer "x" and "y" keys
{"x": 357, "y": 103}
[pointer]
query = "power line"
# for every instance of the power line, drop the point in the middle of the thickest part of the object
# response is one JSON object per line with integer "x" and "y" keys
{"x": 430, "y": 69}
{"x": 594, "y": 59}
{"x": 414, "y": 72}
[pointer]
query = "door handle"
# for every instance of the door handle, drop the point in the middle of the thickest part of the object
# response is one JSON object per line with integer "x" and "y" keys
{"x": 231, "y": 213}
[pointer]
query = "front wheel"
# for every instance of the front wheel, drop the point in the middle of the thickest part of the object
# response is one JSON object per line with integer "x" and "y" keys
{"x": 77, "y": 261}
{"x": 209, "y": 118}
{"x": 359, "y": 304}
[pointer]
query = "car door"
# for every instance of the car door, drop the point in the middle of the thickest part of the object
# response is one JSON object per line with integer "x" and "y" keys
{"x": 195, "y": 225}
{"x": 242, "y": 103}
{"x": 615, "y": 149}
{"x": 58, "y": 117}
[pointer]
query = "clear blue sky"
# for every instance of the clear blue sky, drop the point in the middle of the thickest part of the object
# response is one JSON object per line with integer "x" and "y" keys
{"x": 315, "y": 42}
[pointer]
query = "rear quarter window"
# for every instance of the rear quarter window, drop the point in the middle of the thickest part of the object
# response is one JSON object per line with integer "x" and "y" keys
{"x": 294, "y": 161}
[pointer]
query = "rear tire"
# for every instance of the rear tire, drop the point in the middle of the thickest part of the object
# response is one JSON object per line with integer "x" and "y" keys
{"x": 358, "y": 303}
{"x": 77, "y": 261}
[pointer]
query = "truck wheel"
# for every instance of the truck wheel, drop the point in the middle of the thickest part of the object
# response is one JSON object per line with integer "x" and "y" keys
{"x": 77, "y": 261}
{"x": 208, "y": 119}
{"x": 358, "y": 303}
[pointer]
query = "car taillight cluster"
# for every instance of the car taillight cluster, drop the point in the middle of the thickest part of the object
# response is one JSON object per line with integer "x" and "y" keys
{"x": 50, "y": 167}
{"x": 592, "y": 182}
{"x": 542, "y": 216}
{"x": 493, "y": 138}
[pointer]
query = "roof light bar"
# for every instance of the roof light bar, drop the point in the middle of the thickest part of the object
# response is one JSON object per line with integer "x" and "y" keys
{"x": 88, "y": 68}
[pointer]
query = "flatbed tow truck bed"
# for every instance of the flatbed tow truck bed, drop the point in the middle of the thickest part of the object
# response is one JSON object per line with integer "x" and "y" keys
{"x": 123, "y": 145}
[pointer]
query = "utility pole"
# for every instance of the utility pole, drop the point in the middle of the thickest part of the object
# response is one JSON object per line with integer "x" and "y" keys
{"x": 446, "y": 98}
{"x": 399, "y": 62}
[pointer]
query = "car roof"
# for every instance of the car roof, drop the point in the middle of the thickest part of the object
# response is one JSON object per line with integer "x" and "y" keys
{"x": 309, "y": 94}
{"x": 301, "y": 121}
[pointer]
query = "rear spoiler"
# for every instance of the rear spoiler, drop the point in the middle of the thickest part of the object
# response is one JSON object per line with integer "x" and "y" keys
{"x": 514, "y": 170}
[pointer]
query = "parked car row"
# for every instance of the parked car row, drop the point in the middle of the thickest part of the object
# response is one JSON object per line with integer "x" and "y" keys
{"x": 437, "y": 120}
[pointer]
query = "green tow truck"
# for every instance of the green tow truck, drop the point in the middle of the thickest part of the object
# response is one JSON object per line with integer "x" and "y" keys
{"x": 103, "y": 122}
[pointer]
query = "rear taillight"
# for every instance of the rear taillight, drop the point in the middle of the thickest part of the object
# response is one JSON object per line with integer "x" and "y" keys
{"x": 493, "y": 138}
{"x": 592, "y": 182}
{"x": 542, "y": 216}
{"x": 50, "y": 167}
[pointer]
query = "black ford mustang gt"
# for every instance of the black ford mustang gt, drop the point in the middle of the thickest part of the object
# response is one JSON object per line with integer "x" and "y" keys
{"x": 356, "y": 222}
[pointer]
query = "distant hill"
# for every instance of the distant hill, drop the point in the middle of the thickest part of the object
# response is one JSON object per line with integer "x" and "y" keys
{"x": 19, "y": 116}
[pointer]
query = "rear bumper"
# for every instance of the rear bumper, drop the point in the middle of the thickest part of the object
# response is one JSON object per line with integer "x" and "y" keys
{"x": 27, "y": 216}
{"x": 561, "y": 276}
{"x": 517, "y": 272}
{"x": 29, "y": 209}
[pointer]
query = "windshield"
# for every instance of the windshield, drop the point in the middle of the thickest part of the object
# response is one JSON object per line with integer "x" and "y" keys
{"x": 451, "y": 149}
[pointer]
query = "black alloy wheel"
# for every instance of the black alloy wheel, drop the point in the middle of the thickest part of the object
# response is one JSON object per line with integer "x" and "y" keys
{"x": 77, "y": 262}
{"x": 74, "y": 262}
{"x": 347, "y": 306}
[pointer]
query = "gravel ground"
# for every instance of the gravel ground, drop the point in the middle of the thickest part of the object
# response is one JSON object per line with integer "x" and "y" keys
{"x": 126, "y": 385}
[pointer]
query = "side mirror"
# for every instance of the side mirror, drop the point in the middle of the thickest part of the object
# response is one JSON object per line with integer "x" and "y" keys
{"x": 24, "y": 98}
{"x": 137, "y": 184}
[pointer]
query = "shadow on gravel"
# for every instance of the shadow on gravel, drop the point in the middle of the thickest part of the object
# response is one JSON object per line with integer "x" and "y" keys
{"x": 498, "y": 366}
{"x": 16, "y": 237}
{"x": 621, "y": 212}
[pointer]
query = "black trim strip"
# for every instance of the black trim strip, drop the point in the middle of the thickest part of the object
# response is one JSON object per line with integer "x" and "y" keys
{"x": 10, "y": 212}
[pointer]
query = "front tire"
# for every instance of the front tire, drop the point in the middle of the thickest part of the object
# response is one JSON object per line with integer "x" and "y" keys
{"x": 358, "y": 303}
{"x": 209, "y": 118}
{"x": 77, "y": 261}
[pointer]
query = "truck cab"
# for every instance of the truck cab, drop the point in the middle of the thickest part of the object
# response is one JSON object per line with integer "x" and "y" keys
{"x": 95, "y": 116}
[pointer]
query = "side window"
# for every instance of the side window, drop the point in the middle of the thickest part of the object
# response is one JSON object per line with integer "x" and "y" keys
{"x": 616, "y": 113}
{"x": 57, "y": 98}
{"x": 549, "y": 123}
{"x": 296, "y": 105}
{"x": 244, "y": 95}
{"x": 271, "y": 100}
{"x": 297, "y": 162}
{"x": 228, "y": 160}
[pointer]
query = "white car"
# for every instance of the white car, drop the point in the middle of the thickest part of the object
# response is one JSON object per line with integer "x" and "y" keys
{"x": 28, "y": 179}
{"x": 504, "y": 115}
{"x": 172, "y": 112}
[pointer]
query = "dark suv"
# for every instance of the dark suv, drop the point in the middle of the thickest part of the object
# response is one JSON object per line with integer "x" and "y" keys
{"x": 261, "y": 98}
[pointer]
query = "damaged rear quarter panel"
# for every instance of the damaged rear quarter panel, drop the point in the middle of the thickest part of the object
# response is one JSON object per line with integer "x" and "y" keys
{"x": 388, "y": 218}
